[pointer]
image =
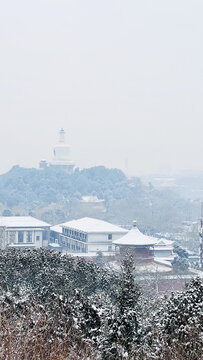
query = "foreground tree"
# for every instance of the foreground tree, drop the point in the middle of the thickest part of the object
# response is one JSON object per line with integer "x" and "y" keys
{"x": 123, "y": 324}
{"x": 58, "y": 307}
{"x": 175, "y": 328}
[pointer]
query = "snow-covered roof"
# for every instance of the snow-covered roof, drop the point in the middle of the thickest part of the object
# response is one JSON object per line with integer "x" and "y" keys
{"x": 135, "y": 238}
{"x": 163, "y": 248}
{"x": 54, "y": 245}
{"x": 164, "y": 242}
{"x": 22, "y": 222}
{"x": 90, "y": 254}
{"x": 57, "y": 228}
{"x": 91, "y": 225}
{"x": 22, "y": 245}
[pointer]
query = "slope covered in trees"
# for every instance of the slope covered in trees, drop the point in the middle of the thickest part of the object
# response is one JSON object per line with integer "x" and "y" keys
{"x": 55, "y": 196}
{"x": 59, "y": 307}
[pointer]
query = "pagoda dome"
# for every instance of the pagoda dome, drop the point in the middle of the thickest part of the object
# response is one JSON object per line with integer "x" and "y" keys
{"x": 134, "y": 238}
{"x": 61, "y": 151}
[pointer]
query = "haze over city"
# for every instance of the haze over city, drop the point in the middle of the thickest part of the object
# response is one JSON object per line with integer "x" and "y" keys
{"x": 123, "y": 78}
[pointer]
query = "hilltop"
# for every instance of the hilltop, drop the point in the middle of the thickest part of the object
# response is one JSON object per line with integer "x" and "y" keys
{"x": 55, "y": 196}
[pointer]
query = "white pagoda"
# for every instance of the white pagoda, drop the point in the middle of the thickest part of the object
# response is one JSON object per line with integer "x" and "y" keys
{"x": 61, "y": 153}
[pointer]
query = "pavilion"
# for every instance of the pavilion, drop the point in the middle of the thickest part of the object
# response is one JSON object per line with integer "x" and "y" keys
{"x": 142, "y": 245}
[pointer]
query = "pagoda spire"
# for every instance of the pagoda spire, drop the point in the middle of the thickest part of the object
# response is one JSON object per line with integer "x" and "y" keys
{"x": 62, "y": 136}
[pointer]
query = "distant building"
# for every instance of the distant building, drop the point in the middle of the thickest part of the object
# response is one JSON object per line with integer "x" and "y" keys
{"x": 142, "y": 245}
{"x": 86, "y": 235}
{"x": 2, "y": 237}
{"x": 92, "y": 206}
{"x": 23, "y": 232}
{"x": 43, "y": 164}
{"x": 92, "y": 200}
{"x": 164, "y": 249}
{"x": 61, "y": 154}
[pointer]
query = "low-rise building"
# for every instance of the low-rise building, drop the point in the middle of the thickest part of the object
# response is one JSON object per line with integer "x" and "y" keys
{"x": 164, "y": 249}
{"x": 141, "y": 245}
{"x": 24, "y": 232}
{"x": 86, "y": 235}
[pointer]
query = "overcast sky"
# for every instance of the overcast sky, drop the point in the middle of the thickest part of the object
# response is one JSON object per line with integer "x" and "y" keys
{"x": 124, "y": 79}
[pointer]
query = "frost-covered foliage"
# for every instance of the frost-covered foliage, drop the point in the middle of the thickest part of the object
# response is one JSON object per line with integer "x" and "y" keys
{"x": 123, "y": 324}
{"x": 54, "y": 306}
{"x": 174, "y": 330}
{"x": 180, "y": 264}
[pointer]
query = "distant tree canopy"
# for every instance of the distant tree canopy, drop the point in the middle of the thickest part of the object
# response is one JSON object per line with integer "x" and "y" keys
{"x": 33, "y": 187}
{"x": 28, "y": 190}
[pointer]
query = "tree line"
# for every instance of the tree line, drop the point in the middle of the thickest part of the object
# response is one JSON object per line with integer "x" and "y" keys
{"x": 54, "y": 306}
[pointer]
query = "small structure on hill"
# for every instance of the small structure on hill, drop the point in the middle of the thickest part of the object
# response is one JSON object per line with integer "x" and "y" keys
{"x": 142, "y": 245}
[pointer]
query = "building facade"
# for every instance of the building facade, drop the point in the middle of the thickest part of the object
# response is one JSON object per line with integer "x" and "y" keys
{"x": 24, "y": 232}
{"x": 164, "y": 249}
{"x": 86, "y": 235}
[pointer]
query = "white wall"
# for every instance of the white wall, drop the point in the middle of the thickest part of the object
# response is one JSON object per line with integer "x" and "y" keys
{"x": 35, "y": 233}
{"x": 99, "y": 241}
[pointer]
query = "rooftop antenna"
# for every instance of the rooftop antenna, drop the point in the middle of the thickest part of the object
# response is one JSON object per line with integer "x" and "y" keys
{"x": 200, "y": 239}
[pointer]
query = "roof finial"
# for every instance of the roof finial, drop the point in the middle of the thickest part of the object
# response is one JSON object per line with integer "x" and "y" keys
{"x": 62, "y": 136}
{"x": 134, "y": 223}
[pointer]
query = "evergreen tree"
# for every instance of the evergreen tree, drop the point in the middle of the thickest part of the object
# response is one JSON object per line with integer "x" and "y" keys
{"x": 180, "y": 264}
{"x": 123, "y": 324}
{"x": 180, "y": 251}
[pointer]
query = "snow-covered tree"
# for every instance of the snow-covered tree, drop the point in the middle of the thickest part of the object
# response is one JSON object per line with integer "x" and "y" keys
{"x": 122, "y": 326}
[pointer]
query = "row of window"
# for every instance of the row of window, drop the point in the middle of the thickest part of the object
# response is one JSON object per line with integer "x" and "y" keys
{"x": 73, "y": 234}
{"x": 77, "y": 247}
{"x": 29, "y": 238}
{"x": 73, "y": 246}
{"x": 22, "y": 237}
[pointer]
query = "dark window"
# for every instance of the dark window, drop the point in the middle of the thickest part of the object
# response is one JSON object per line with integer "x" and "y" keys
{"x": 29, "y": 236}
{"x": 38, "y": 238}
{"x": 45, "y": 235}
{"x": 110, "y": 237}
{"x": 20, "y": 236}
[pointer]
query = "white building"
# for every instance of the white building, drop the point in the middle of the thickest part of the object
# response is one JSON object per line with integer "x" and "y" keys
{"x": 23, "y": 232}
{"x": 61, "y": 153}
{"x": 164, "y": 249}
{"x": 86, "y": 235}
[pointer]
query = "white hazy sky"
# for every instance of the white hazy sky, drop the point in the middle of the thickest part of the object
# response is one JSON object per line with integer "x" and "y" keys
{"x": 123, "y": 77}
